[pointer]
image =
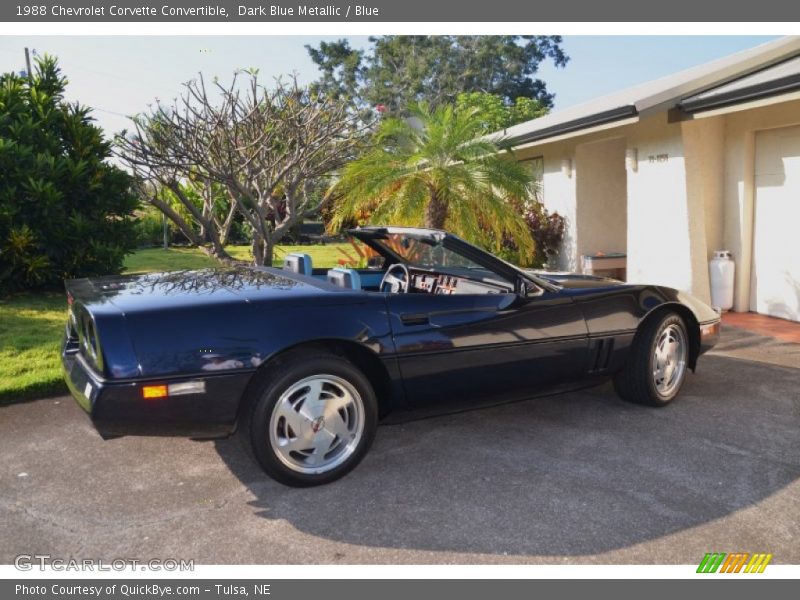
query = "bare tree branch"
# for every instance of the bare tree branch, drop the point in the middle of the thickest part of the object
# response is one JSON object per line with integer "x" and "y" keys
{"x": 264, "y": 146}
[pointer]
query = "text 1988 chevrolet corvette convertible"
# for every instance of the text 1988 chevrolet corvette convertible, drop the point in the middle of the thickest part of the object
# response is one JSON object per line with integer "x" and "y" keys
{"x": 307, "y": 361}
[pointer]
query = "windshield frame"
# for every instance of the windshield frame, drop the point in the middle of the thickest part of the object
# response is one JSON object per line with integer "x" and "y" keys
{"x": 516, "y": 277}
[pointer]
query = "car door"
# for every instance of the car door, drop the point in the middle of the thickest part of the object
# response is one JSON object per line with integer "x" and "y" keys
{"x": 457, "y": 350}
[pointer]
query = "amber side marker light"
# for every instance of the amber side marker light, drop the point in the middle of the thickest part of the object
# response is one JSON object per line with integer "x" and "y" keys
{"x": 710, "y": 330}
{"x": 153, "y": 392}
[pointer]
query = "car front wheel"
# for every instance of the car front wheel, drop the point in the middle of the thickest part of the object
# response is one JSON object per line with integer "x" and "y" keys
{"x": 657, "y": 362}
{"x": 313, "y": 420}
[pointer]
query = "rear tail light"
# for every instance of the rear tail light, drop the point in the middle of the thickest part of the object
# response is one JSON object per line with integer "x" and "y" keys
{"x": 90, "y": 338}
{"x": 72, "y": 325}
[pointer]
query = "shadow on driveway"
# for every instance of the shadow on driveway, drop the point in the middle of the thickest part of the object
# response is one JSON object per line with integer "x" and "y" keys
{"x": 575, "y": 474}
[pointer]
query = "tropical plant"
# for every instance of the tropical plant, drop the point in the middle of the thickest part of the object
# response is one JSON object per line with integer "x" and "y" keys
{"x": 65, "y": 211}
{"x": 547, "y": 230}
{"x": 498, "y": 114}
{"x": 435, "y": 170}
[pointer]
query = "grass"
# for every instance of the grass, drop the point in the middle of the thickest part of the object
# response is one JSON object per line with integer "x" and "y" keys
{"x": 31, "y": 325}
{"x": 30, "y": 335}
{"x": 157, "y": 259}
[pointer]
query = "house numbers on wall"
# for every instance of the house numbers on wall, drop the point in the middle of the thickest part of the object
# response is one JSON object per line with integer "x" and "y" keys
{"x": 658, "y": 158}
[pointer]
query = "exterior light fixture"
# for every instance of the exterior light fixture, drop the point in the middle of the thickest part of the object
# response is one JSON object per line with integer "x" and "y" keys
{"x": 632, "y": 159}
{"x": 566, "y": 167}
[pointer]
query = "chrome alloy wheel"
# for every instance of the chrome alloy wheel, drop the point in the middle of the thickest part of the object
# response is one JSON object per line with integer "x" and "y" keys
{"x": 316, "y": 424}
{"x": 669, "y": 361}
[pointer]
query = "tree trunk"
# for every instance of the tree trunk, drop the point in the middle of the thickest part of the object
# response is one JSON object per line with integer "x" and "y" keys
{"x": 257, "y": 249}
{"x": 269, "y": 249}
{"x": 435, "y": 211}
{"x": 219, "y": 254}
{"x": 262, "y": 251}
{"x": 207, "y": 214}
{"x": 225, "y": 228}
{"x": 218, "y": 249}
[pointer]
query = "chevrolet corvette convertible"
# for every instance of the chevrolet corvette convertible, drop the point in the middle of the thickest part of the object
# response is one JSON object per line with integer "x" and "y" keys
{"x": 305, "y": 362}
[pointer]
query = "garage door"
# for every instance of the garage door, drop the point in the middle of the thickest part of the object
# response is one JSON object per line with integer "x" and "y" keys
{"x": 776, "y": 245}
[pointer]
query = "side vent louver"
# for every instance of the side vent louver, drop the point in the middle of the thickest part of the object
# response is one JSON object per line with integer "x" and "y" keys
{"x": 601, "y": 354}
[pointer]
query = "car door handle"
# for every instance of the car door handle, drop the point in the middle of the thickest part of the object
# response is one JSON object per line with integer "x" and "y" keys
{"x": 414, "y": 319}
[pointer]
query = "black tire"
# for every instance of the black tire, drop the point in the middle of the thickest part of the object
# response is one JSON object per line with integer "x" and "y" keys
{"x": 280, "y": 377}
{"x": 636, "y": 381}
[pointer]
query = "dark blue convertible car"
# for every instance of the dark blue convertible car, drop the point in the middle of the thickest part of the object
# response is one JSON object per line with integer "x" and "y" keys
{"x": 305, "y": 362}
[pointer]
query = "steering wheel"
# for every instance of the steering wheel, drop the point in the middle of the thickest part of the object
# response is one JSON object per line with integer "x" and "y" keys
{"x": 395, "y": 284}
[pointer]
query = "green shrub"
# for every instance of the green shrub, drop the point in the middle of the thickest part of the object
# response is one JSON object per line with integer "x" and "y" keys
{"x": 149, "y": 228}
{"x": 64, "y": 210}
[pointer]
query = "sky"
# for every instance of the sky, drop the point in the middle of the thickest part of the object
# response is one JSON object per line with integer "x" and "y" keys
{"x": 121, "y": 75}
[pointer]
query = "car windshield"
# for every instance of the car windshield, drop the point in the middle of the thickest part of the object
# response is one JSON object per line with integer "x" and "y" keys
{"x": 424, "y": 252}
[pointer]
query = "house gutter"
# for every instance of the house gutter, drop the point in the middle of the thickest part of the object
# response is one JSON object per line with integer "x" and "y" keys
{"x": 782, "y": 85}
{"x": 602, "y": 118}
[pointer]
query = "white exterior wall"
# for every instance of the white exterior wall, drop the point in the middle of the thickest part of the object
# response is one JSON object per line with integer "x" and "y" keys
{"x": 704, "y": 156}
{"x": 591, "y": 197}
{"x": 601, "y": 197}
{"x": 739, "y": 185}
{"x": 559, "y": 191}
{"x": 659, "y": 239}
{"x": 560, "y": 196}
{"x": 692, "y": 193}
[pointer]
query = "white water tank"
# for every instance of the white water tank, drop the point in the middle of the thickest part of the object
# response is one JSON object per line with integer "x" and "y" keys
{"x": 721, "y": 269}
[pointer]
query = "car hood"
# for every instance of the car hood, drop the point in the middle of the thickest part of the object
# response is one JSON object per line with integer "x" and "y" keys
{"x": 179, "y": 289}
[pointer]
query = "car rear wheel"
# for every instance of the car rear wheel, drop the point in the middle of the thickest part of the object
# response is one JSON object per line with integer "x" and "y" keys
{"x": 657, "y": 362}
{"x": 313, "y": 420}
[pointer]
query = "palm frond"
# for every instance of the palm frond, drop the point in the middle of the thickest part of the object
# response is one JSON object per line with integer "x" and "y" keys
{"x": 439, "y": 152}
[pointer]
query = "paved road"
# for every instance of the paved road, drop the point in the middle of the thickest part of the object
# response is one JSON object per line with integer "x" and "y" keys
{"x": 580, "y": 478}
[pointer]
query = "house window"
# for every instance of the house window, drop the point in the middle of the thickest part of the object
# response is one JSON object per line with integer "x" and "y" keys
{"x": 536, "y": 167}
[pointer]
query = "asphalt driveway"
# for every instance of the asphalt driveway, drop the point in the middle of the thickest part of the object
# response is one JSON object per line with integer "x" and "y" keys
{"x": 581, "y": 478}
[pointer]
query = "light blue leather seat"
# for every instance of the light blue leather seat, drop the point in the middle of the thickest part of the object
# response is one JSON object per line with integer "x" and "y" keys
{"x": 297, "y": 262}
{"x": 346, "y": 278}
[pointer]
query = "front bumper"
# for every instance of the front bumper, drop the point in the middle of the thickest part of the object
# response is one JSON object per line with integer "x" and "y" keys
{"x": 118, "y": 408}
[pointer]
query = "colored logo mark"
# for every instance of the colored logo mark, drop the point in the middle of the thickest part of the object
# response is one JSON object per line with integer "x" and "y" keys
{"x": 735, "y": 562}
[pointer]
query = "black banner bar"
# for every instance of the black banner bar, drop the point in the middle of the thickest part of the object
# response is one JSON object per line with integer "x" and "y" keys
{"x": 333, "y": 589}
{"x": 399, "y": 11}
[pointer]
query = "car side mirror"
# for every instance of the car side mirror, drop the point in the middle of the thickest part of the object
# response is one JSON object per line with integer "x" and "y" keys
{"x": 528, "y": 289}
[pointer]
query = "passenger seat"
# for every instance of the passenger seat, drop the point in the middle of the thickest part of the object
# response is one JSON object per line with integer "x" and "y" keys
{"x": 297, "y": 262}
{"x": 345, "y": 278}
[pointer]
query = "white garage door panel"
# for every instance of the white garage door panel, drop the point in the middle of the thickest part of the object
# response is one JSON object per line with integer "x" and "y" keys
{"x": 776, "y": 246}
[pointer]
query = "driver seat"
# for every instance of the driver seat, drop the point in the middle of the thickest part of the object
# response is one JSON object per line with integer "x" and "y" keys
{"x": 345, "y": 278}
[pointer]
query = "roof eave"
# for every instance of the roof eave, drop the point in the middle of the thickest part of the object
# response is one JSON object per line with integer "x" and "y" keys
{"x": 783, "y": 85}
{"x": 602, "y": 118}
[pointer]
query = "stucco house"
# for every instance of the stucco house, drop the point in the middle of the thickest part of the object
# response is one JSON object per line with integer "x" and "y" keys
{"x": 669, "y": 171}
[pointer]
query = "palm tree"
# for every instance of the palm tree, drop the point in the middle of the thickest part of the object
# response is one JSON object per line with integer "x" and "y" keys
{"x": 437, "y": 170}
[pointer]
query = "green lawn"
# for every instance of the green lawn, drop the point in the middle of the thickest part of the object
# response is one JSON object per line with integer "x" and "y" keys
{"x": 31, "y": 325}
{"x": 30, "y": 334}
{"x": 158, "y": 259}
